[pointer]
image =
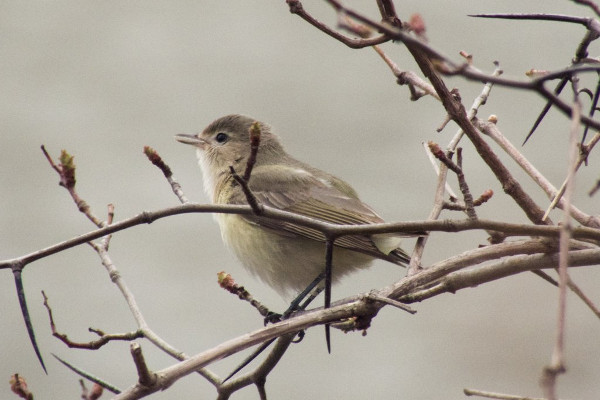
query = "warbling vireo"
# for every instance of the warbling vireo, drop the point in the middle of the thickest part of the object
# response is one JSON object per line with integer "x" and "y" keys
{"x": 287, "y": 257}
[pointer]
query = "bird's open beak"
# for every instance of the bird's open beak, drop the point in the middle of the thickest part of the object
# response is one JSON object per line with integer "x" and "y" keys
{"x": 190, "y": 139}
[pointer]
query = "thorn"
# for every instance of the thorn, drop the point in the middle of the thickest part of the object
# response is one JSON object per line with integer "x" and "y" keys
{"x": 26, "y": 317}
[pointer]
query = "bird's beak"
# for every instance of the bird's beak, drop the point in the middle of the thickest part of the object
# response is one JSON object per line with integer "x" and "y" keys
{"x": 190, "y": 139}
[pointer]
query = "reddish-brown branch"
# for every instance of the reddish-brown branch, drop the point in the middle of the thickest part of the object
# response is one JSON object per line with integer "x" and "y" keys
{"x": 156, "y": 159}
{"x": 94, "y": 344}
{"x": 227, "y": 282}
{"x": 66, "y": 172}
{"x": 297, "y": 8}
{"x": 254, "y": 136}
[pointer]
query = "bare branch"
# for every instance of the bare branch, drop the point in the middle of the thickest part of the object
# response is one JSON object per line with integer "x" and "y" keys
{"x": 297, "y": 8}
{"x": 580, "y": 160}
{"x": 255, "y": 205}
{"x": 66, "y": 172}
{"x": 254, "y": 134}
{"x": 491, "y": 129}
{"x": 145, "y": 376}
{"x": 92, "y": 345}
{"x": 557, "y": 363}
{"x": 227, "y": 282}
{"x": 18, "y": 385}
{"x": 157, "y": 160}
{"x": 499, "y": 396}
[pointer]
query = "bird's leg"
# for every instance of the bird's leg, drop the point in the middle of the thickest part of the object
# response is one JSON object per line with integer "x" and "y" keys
{"x": 299, "y": 303}
{"x": 307, "y": 295}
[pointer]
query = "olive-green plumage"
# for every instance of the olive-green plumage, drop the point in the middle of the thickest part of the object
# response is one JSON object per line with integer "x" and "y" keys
{"x": 286, "y": 256}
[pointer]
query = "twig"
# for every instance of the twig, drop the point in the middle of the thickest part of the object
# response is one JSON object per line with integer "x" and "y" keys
{"x": 360, "y": 307}
{"x": 500, "y": 396}
{"x": 94, "y": 344}
{"x": 157, "y": 160}
{"x": 66, "y": 171}
{"x": 590, "y": 4}
{"x": 483, "y": 198}
{"x": 443, "y": 157}
{"x": 257, "y": 208}
{"x": 464, "y": 187}
{"x": 442, "y": 182}
{"x": 417, "y": 86}
{"x": 308, "y": 295}
{"x": 145, "y": 377}
{"x": 254, "y": 140}
{"x": 297, "y": 8}
{"x": 461, "y": 278}
{"x": 446, "y": 66}
{"x": 462, "y": 183}
{"x": 491, "y": 130}
{"x": 109, "y": 220}
{"x": 557, "y": 364}
{"x": 275, "y": 355}
{"x": 457, "y": 112}
{"x": 592, "y": 111}
{"x": 373, "y": 295}
{"x": 148, "y": 217}
{"x": 477, "y": 103}
{"x": 254, "y": 134}
{"x": 438, "y": 170}
{"x": 18, "y": 385}
{"x": 586, "y": 300}
{"x": 580, "y": 160}
{"x": 227, "y": 282}
{"x": 592, "y": 33}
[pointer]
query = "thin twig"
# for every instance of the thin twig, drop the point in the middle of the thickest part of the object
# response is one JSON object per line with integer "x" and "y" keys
{"x": 254, "y": 135}
{"x": 376, "y": 297}
{"x": 255, "y": 205}
{"x": 157, "y": 160}
{"x": 464, "y": 188}
{"x": 360, "y": 307}
{"x": 580, "y": 160}
{"x": 446, "y": 66}
{"x": 91, "y": 345}
{"x": 18, "y": 385}
{"x": 66, "y": 171}
{"x": 432, "y": 159}
{"x": 477, "y": 103}
{"x": 499, "y": 396}
{"x": 227, "y": 282}
{"x": 145, "y": 376}
{"x": 557, "y": 363}
{"x": 297, "y": 8}
{"x": 491, "y": 130}
{"x": 412, "y": 227}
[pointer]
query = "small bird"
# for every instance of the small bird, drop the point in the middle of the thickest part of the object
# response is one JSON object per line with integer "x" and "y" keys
{"x": 285, "y": 256}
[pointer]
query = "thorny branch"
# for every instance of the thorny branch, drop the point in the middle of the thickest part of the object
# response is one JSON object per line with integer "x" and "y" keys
{"x": 576, "y": 246}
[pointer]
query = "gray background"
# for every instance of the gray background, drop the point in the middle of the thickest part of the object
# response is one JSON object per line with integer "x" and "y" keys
{"x": 103, "y": 79}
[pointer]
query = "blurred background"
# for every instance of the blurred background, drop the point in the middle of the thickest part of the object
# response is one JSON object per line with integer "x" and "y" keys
{"x": 104, "y": 79}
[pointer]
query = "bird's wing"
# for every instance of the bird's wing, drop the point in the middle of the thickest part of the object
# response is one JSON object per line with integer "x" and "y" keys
{"x": 299, "y": 191}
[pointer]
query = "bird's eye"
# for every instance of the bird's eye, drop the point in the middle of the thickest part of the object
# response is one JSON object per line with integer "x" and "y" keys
{"x": 221, "y": 137}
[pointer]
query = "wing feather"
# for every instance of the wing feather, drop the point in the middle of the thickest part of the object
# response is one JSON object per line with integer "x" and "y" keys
{"x": 299, "y": 191}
